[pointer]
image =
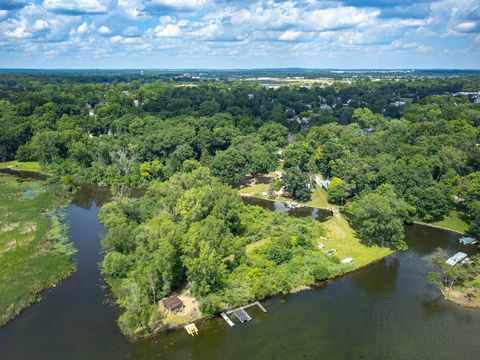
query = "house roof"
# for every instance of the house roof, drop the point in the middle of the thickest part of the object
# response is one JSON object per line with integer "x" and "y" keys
{"x": 172, "y": 302}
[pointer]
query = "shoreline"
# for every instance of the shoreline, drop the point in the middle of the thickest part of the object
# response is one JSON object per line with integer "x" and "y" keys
{"x": 299, "y": 289}
{"x": 302, "y": 204}
{"x": 296, "y": 290}
{"x": 35, "y": 294}
{"x": 458, "y": 296}
{"x": 439, "y": 227}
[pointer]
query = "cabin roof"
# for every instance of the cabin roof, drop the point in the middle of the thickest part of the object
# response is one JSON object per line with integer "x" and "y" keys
{"x": 172, "y": 302}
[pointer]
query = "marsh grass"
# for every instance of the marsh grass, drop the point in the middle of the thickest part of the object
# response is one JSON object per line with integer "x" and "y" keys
{"x": 34, "y": 251}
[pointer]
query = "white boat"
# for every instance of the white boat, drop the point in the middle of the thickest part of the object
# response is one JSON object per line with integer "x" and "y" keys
{"x": 346, "y": 260}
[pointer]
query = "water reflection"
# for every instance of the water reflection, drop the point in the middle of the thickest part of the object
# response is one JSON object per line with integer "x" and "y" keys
{"x": 23, "y": 174}
{"x": 379, "y": 278}
{"x": 88, "y": 194}
{"x": 278, "y": 206}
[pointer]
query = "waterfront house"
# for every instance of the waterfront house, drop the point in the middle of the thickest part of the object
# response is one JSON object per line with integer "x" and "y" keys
{"x": 173, "y": 304}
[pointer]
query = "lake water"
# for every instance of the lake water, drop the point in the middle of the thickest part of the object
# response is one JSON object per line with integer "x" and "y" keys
{"x": 384, "y": 311}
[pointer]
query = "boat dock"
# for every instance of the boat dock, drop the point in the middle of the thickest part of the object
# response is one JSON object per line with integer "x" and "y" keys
{"x": 227, "y": 319}
{"x": 240, "y": 313}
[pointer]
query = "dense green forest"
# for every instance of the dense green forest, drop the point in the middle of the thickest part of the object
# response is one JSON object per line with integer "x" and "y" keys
{"x": 394, "y": 150}
{"x": 192, "y": 228}
{"x": 412, "y": 134}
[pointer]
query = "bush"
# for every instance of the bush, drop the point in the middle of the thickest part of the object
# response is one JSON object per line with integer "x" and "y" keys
{"x": 337, "y": 191}
{"x": 211, "y": 305}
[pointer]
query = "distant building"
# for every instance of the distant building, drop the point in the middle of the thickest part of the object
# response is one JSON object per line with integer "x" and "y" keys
{"x": 325, "y": 184}
{"x": 398, "y": 103}
{"x": 173, "y": 304}
{"x": 368, "y": 131}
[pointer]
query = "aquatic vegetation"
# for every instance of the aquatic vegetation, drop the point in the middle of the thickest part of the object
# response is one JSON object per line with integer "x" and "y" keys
{"x": 34, "y": 248}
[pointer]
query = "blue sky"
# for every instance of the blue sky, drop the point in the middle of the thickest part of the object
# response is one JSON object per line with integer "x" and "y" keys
{"x": 239, "y": 34}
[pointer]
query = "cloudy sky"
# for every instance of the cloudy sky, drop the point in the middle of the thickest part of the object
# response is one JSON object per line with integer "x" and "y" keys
{"x": 239, "y": 34}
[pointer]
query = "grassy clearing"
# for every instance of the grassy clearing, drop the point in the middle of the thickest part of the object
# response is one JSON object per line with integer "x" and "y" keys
{"x": 453, "y": 222}
{"x": 33, "y": 249}
{"x": 340, "y": 234}
{"x": 342, "y": 237}
{"x": 319, "y": 199}
{"x": 255, "y": 188}
{"x": 17, "y": 165}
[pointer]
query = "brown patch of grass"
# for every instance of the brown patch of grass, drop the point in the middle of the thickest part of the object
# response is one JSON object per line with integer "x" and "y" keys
{"x": 464, "y": 296}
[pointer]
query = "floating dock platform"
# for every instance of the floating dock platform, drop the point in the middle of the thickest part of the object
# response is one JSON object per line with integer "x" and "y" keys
{"x": 242, "y": 315}
{"x": 191, "y": 329}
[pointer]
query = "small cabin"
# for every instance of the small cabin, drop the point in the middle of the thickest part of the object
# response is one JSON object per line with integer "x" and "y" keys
{"x": 173, "y": 304}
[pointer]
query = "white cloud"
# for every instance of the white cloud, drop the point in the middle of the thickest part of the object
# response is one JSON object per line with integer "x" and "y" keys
{"x": 466, "y": 26}
{"x": 178, "y": 4}
{"x": 19, "y": 31}
{"x": 339, "y": 17}
{"x": 40, "y": 25}
{"x": 169, "y": 30}
{"x": 132, "y": 9}
{"x": 3, "y": 14}
{"x": 82, "y": 29}
{"x": 290, "y": 35}
{"x": 104, "y": 30}
{"x": 234, "y": 29}
{"x": 75, "y": 7}
{"x": 423, "y": 49}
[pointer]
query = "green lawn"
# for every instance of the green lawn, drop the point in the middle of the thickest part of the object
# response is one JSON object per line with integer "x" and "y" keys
{"x": 453, "y": 222}
{"x": 342, "y": 237}
{"x": 17, "y": 165}
{"x": 30, "y": 260}
{"x": 319, "y": 199}
{"x": 256, "y": 189}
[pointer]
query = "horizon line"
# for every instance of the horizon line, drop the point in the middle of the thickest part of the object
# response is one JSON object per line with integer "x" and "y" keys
{"x": 243, "y": 69}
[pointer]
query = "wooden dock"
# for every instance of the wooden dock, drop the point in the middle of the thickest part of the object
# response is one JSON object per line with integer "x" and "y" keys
{"x": 240, "y": 313}
{"x": 227, "y": 319}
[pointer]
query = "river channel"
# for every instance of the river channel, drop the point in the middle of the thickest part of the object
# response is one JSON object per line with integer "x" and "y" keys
{"x": 383, "y": 311}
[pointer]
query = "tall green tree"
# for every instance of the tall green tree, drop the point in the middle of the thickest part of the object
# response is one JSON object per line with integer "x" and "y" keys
{"x": 298, "y": 183}
{"x": 380, "y": 216}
